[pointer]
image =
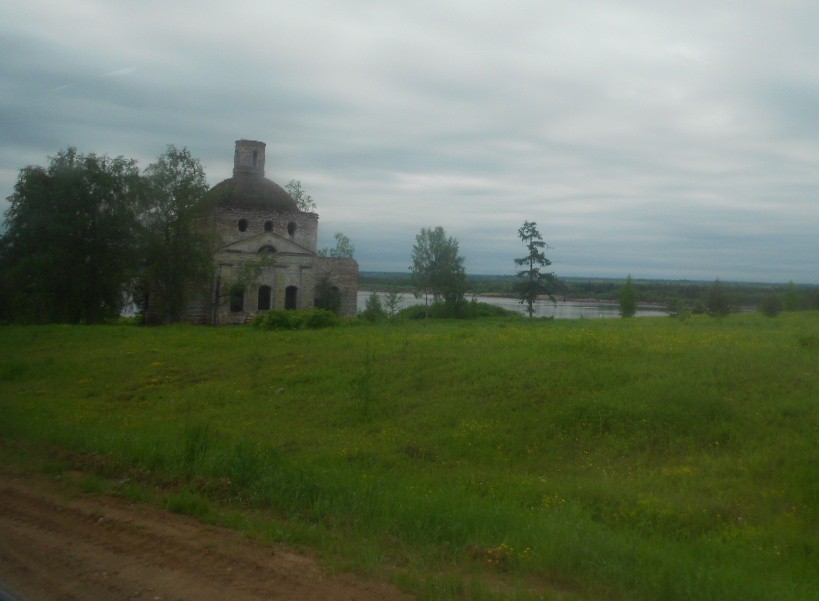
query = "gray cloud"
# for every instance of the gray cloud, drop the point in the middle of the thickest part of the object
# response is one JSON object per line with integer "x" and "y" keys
{"x": 674, "y": 139}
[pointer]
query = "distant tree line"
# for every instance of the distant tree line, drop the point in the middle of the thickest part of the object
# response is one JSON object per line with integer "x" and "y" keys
{"x": 437, "y": 269}
{"x": 658, "y": 292}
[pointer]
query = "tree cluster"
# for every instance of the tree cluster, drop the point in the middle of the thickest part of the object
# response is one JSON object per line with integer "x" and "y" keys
{"x": 437, "y": 267}
{"x": 718, "y": 302}
{"x": 87, "y": 232}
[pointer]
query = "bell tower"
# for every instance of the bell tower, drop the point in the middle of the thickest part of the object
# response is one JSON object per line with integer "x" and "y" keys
{"x": 248, "y": 158}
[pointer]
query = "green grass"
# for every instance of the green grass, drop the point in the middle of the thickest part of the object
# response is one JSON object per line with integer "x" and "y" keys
{"x": 622, "y": 459}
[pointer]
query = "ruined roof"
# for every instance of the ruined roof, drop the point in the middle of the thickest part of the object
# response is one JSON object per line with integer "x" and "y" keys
{"x": 250, "y": 191}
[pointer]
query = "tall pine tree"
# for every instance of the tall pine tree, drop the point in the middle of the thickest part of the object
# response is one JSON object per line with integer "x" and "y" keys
{"x": 533, "y": 282}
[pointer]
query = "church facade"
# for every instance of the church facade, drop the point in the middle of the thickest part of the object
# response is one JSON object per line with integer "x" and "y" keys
{"x": 265, "y": 255}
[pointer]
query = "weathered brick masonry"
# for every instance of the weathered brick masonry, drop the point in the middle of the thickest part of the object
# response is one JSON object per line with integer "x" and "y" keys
{"x": 266, "y": 250}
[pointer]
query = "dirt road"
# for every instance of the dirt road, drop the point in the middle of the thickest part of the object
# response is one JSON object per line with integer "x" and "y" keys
{"x": 91, "y": 547}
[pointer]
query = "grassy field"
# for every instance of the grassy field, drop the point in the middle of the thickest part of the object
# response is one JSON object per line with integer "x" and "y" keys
{"x": 605, "y": 459}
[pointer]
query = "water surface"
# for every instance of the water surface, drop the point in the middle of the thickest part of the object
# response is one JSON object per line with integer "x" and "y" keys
{"x": 569, "y": 309}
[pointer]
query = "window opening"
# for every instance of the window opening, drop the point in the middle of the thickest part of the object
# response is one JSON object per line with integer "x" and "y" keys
{"x": 237, "y": 299}
{"x": 291, "y": 228}
{"x": 264, "y": 298}
{"x": 291, "y": 294}
{"x": 268, "y": 226}
{"x": 328, "y": 296}
{"x": 243, "y": 225}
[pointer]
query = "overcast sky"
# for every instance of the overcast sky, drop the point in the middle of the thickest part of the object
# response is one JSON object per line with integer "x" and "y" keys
{"x": 657, "y": 138}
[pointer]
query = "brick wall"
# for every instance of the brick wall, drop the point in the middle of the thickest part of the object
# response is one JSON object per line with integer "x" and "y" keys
{"x": 300, "y": 228}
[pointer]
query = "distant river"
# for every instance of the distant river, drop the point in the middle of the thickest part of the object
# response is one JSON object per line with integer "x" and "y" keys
{"x": 563, "y": 310}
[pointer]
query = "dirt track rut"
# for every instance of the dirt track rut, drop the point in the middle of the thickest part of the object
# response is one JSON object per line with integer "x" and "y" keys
{"x": 91, "y": 547}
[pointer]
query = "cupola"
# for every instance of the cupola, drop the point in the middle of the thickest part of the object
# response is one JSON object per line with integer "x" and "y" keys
{"x": 248, "y": 158}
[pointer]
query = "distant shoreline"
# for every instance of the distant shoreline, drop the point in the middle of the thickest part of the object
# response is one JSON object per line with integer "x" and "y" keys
{"x": 558, "y": 297}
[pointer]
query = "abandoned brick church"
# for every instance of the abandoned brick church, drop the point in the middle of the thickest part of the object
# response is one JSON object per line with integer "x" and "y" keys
{"x": 266, "y": 255}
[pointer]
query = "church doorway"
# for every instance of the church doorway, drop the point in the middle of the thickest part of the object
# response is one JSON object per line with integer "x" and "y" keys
{"x": 237, "y": 298}
{"x": 264, "y": 298}
{"x": 291, "y": 296}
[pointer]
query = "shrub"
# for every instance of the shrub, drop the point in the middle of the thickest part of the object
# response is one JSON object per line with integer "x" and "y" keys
{"x": 277, "y": 319}
{"x": 392, "y": 301}
{"x": 319, "y": 318}
{"x": 475, "y": 310}
{"x": 698, "y": 308}
{"x": 414, "y": 312}
{"x": 283, "y": 319}
{"x": 463, "y": 310}
{"x": 374, "y": 310}
{"x": 793, "y": 298}
{"x": 123, "y": 320}
{"x": 680, "y": 310}
{"x": 771, "y": 306}
{"x": 717, "y": 300}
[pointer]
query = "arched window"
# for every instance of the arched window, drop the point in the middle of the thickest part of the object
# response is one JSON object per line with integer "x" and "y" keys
{"x": 267, "y": 248}
{"x": 264, "y": 298}
{"x": 291, "y": 297}
{"x": 291, "y": 228}
{"x": 242, "y": 225}
{"x": 255, "y": 158}
{"x": 268, "y": 226}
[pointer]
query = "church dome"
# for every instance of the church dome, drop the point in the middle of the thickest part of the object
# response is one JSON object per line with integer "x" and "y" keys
{"x": 251, "y": 193}
{"x": 249, "y": 189}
